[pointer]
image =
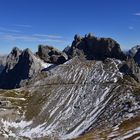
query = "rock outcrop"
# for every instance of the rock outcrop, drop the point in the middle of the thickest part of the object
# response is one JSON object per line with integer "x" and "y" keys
{"x": 51, "y": 55}
{"x": 92, "y": 47}
{"x": 129, "y": 67}
{"x": 20, "y": 66}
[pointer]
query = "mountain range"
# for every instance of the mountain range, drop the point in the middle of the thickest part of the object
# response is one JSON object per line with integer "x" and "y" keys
{"x": 88, "y": 91}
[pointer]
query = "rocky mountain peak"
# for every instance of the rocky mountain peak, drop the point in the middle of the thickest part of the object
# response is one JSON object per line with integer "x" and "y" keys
{"x": 15, "y": 51}
{"x": 28, "y": 55}
{"x": 92, "y": 47}
{"x": 89, "y": 36}
{"x": 77, "y": 38}
{"x": 13, "y": 58}
{"x": 27, "y": 51}
{"x": 20, "y": 66}
{"x": 51, "y": 55}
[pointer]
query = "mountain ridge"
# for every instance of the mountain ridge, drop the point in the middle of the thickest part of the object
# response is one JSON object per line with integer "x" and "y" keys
{"x": 89, "y": 91}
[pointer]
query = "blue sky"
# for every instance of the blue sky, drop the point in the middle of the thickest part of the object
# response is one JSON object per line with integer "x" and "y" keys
{"x": 27, "y": 23}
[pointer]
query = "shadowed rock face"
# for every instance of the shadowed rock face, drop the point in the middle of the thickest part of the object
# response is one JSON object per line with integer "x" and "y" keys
{"x": 137, "y": 57}
{"x": 20, "y": 66}
{"x": 95, "y": 48}
{"x": 2, "y": 62}
{"x": 51, "y": 55}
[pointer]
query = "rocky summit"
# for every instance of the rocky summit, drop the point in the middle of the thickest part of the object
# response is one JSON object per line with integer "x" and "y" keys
{"x": 20, "y": 66}
{"x": 51, "y": 55}
{"x": 93, "y": 93}
{"x": 92, "y": 47}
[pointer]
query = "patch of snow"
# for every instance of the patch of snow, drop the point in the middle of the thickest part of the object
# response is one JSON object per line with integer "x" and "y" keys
{"x": 45, "y": 65}
{"x": 7, "y": 127}
{"x": 35, "y": 132}
{"x": 89, "y": 120}
{"x": 9, "y": 124}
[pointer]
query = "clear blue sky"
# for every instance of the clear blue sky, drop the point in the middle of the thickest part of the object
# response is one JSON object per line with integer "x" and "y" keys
{"x": 27, "y": 23}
